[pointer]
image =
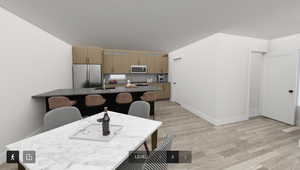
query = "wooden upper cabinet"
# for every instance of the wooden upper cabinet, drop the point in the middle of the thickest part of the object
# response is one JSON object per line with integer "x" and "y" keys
{"x": 108, "y": 64}
{"x": 120, "y": 64}
{"x": 164, "y": 64}
{"x": 161, "y": 64}
{"x": 116, "y": 64}
{"x": 143, "y": 60}
{"x": 87, "y": 55}
{"x": 79, "y": 55}
{"x": 119, "y": 61}
{"x": 134, "y": 59}
{"x": 95, "y": 55}
{"x": 151, "y": 64}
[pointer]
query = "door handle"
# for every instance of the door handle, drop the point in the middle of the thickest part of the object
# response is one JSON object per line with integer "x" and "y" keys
{"x": 174, "y": 82}
{"x": 291, "y": 91}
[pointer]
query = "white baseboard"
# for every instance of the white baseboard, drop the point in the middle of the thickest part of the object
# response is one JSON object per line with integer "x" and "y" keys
{"x": 232, "y": 120}
{"x": 2, "y": 157}
{"x": 213, "y": 120}
{"x": 298, "y": 116}
{"x": 200, "y": 114}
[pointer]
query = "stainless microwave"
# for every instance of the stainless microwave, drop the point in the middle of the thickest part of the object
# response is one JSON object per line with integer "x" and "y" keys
{"x": 138, "y": 69}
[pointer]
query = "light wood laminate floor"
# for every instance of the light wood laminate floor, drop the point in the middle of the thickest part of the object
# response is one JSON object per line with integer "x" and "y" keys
{"x": 256, "y": 144}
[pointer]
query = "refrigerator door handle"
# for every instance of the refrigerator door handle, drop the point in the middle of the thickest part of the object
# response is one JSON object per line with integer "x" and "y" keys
{"x": 87, "y": 75}
{"x": 73, "y": 76}
{"x": 79, "y": 75}
{"x": 95, "y": 74}
{"x": 89, "y": 71}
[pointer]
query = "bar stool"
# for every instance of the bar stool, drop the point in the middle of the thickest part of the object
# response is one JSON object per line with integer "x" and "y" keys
{"x": 60, "y": 101}
{"x": 94, "y": 100}
{"x": 124, "y": 98}
{"x": 150, "y": 97}
{"x": 123, "y": 101}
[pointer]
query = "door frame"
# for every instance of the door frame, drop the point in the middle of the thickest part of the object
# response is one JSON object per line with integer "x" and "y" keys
{"x": 249, "y": 78}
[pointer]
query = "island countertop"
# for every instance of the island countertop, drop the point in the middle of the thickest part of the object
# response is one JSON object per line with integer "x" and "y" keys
{"x": 87, "y": 91}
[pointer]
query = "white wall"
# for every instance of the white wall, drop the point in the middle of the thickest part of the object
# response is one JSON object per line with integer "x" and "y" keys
{"x": 215, "y": 85}
{"x": 285, "y": 43}
{"x": 32, "y": 61}
{"x": 196, "y": 77}
{"x": 233, "y": 76}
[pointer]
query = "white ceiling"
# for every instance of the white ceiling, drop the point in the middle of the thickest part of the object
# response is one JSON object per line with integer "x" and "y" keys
{"x": 163, "y": 25}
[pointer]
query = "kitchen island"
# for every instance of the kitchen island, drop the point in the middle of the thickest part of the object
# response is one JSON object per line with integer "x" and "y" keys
{"x": 109, "y": 94}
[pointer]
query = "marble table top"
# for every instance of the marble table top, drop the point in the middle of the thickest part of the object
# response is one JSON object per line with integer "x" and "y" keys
{"x": 56, "y": 151}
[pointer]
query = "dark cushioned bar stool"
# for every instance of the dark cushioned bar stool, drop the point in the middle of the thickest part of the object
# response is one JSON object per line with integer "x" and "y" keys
{"x": 124, "y": 98}
{"x": 60, "y": 101}
{"x": 123, "y": 101}
{"x": 94, "y": 103}
{"x": 94, "y": 100}
{"x": 150, "y": 97}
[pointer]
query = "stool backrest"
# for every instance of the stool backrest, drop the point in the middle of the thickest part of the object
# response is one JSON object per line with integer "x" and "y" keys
{"x": 140, "y": 109}
{"x": 149, "y": 96}
{"x": 94, "y": 100}
{"x": 60, "y": 116}
{"x": 59, "y": 101}
{"x": 124, "y": 98}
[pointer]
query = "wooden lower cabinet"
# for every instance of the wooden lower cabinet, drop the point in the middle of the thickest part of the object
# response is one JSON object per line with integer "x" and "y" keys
{"x": 161, "y": 95}
{"x": 165, "y": 92}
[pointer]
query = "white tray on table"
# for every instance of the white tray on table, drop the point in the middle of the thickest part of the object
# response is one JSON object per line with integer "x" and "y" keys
{"x": 93, "y": 132}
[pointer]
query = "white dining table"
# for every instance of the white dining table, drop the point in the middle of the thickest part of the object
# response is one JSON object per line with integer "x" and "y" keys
{"x": 55, "y": 150}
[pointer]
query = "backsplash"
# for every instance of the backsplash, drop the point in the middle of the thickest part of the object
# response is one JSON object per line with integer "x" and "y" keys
{"x": 135, "y": 78}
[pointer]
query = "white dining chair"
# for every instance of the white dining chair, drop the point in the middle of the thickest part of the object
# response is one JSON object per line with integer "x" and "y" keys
{"x": 156, "y": 161}
{"x": 59, "y": 117}
{"x": 140, "y": 109}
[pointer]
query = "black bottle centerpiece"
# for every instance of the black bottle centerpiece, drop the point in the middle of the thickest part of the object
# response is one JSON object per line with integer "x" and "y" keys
{"x": 105, "y": 123}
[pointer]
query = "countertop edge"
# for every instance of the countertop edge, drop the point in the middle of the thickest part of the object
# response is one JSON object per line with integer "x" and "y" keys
{"x": 129, "y": 90}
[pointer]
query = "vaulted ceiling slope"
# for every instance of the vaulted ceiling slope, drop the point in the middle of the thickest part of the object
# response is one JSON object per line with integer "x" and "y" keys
{"x": 163, "y": 25}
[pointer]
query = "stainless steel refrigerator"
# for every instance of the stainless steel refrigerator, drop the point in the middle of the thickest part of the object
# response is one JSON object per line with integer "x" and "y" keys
{"x": 86, "y": 75}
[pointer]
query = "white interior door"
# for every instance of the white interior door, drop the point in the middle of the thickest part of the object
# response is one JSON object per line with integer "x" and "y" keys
{"x": 175, "y": 77}
{"x": 280, "y": 90}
